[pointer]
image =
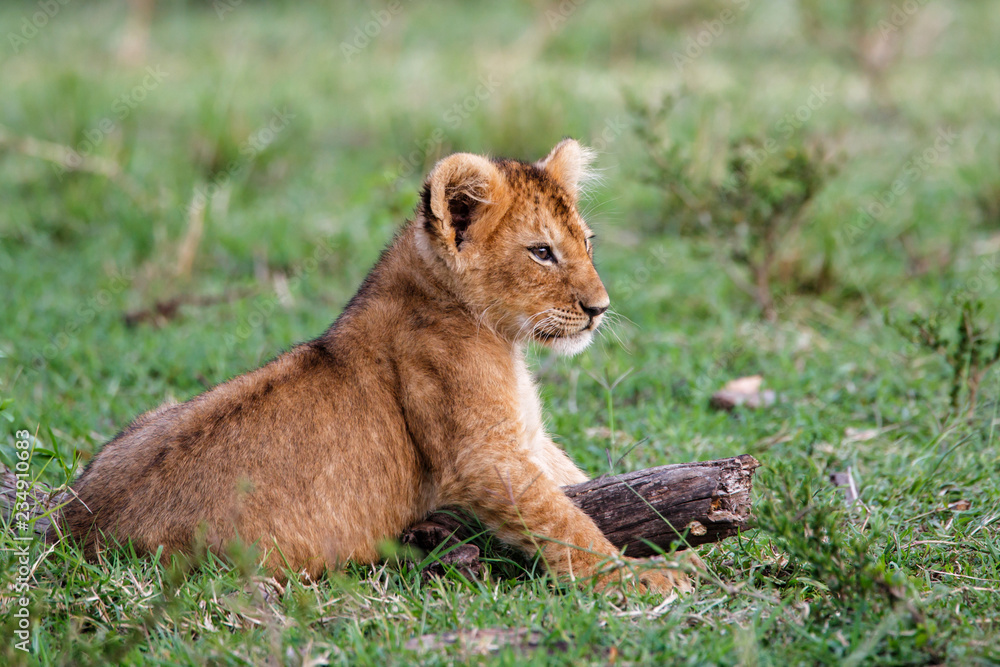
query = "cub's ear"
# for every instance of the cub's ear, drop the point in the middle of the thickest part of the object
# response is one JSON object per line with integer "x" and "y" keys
{"x": 460, "y": 191}
{"x": 569, "y": 164}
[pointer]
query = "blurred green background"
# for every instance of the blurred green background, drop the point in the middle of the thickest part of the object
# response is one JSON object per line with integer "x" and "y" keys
{"x": 188, "y": 188}
{"x": 365, "y": 109}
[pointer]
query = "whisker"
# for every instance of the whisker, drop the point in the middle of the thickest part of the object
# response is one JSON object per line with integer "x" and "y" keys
{"x": 613, "y": 325}
{"x": 612, "y": 311}
{"x": 482, "y": 318}
{"x": 530, "y": 323}
{"x": 591, "y": 206}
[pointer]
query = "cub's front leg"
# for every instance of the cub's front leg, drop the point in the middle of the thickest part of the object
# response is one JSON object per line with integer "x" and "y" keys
{"x": 525, "y": 507}
{"x": 553, "y": 461}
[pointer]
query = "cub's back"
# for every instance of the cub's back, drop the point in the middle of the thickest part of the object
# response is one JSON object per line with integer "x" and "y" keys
{"x": 262, "y": 455}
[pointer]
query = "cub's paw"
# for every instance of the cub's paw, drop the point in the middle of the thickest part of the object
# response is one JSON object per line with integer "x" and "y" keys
{"x": 660, "y": 576}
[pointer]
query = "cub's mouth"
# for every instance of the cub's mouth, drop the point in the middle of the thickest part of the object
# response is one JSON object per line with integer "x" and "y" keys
{"x": 566, "y": 343}
{"x": 564, "y": 335}
{"x": 544, "y": 336}
{"x": 558, "y": 331}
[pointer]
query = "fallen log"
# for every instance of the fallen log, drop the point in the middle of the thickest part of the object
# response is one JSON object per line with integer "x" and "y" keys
{"x": 669, "y": 507}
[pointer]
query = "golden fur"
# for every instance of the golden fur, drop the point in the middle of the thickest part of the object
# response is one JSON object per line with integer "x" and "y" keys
{"x": 417, "y": 397}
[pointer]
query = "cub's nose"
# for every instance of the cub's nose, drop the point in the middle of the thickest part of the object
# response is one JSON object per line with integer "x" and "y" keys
{"x": 593, "y": 311}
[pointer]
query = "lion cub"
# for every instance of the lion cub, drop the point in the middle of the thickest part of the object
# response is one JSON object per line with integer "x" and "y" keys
{"x": 416, "y": 398}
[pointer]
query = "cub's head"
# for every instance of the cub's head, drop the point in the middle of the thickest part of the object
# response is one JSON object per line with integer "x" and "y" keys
{"x": 509, "y": 239}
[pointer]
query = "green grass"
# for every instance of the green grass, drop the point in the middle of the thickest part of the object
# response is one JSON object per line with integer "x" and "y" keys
{"x": 908, "y": 576}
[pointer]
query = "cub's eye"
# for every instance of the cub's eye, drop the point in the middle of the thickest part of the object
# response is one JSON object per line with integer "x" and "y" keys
{"x": 542, "y": 253}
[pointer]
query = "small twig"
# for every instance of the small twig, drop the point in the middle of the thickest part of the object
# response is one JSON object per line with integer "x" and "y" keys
{"x": 192, "y": 237}
{"x": 62, "y": 155}
{"x": 165, "y": 310}
{"x": 67, "y": 158}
